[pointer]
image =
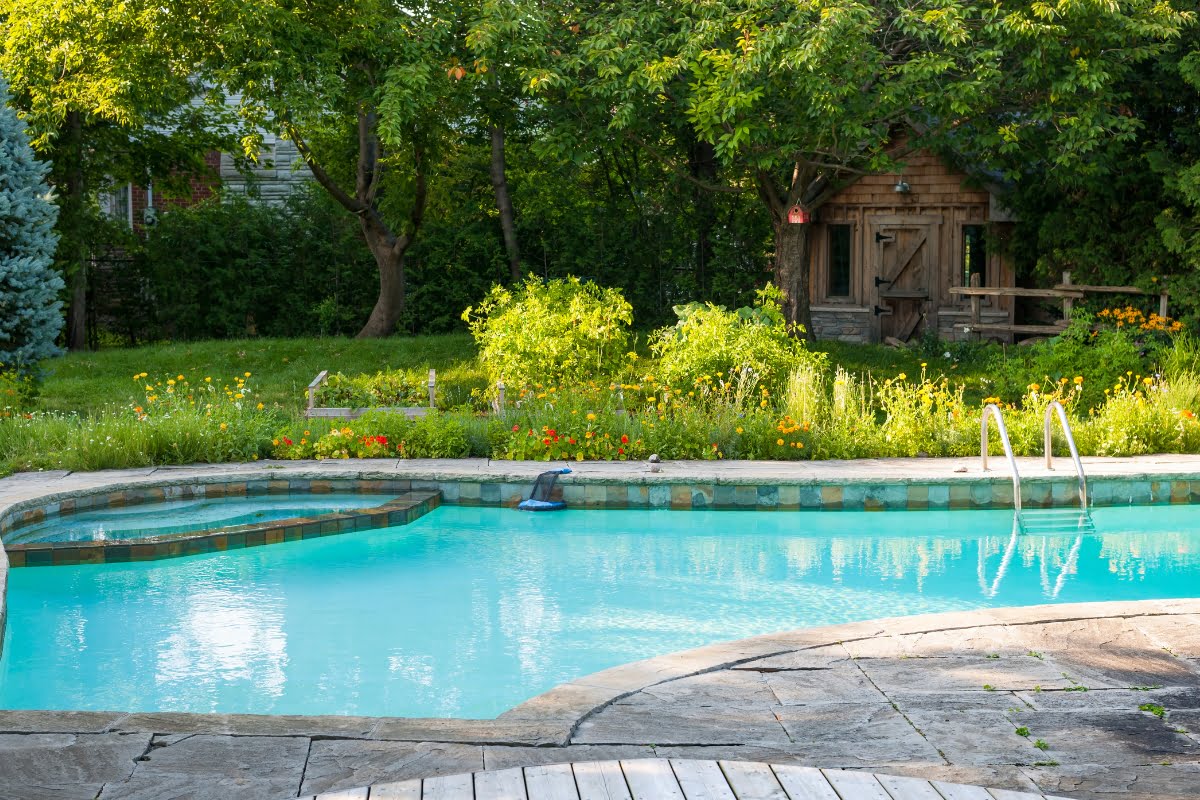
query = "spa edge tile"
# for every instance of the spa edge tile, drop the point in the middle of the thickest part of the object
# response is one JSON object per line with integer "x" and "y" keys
{"x": 637, "y": 496}
{"x": 116, "y": 553}
{"x": 320, "y": 487}
{"x": 256, "y": 538}
{"x": 143, "y": 552}
{"x": 329, "y": 526}
{"x": 702, "y": 497}
{"x": 277, "y": 535}
{"x": 66, "y": 555}
{"x": 312, "y": 530}
{"x": 278, "y": 487}
{"x": 615, "y": 497}
{"x": 16, "y": 558}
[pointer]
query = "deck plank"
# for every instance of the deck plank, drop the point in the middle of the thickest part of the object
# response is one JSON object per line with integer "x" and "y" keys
{"x": 901, "y": 788}
{"x": 1009, "y": 794}
{"x": 858, "y": 785}
{"x": 752, "y": 780}
{"x": 600, "y": 780}
{"x": 551, "y": 782}
{"x": 448, "y": 787}
{"x": 804, "y": 783}
{"x": 500, "y": 784}
{"x": 957, "y": 791}
{"x": 400, "y": 790}
{"x": 701, "y": 780}
{"x": 345, "y": 794}
{"x": 651, "y": 779}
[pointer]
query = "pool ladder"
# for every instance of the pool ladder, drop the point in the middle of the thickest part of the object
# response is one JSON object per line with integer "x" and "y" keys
{"x": 1047, "y": 521}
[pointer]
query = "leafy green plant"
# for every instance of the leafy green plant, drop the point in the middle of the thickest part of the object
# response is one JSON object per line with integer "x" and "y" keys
{"x": 384, "y": 389}
{"x": 553, "y": 332}
{"x": 747, "y": 348}
{"x": 1154, "y": 709}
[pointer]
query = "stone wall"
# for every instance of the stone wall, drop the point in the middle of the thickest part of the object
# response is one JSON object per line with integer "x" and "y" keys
{"x": 845, "y": 324}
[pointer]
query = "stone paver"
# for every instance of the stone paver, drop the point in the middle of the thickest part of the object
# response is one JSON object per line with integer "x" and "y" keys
{"x": 977, "y": 698}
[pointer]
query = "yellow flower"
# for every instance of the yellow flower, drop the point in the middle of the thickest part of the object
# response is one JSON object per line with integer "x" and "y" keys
{"x": 260, "y": 406}
{"x": 591, "y": 417}
{"x": 1147, "y": 380}
{"x": 179, "y": 378}
{"x": 739, "y": 430}
{"x": 1078, "y": 380}
{"x": 779, "y": 442}
{"x": 223, "y": 426}
{"x": 170, "y": 382}
{"x": 247, "y": 374}
{"x": 901, "y": 376}
{"x": 208, "y": 380}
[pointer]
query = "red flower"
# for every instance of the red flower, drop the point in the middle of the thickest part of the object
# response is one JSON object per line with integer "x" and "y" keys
{"x": 620, "y": 451}
{"x": 516, "y": 428}
{"x": 624, "y": 439}
{"x": 287, "y": 441}
{"x": 546, "y": 441}
{"x": 571, "y": 440}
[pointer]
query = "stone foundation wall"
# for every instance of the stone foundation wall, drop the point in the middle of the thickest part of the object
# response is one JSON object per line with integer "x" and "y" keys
{"x": 847, "y": 325}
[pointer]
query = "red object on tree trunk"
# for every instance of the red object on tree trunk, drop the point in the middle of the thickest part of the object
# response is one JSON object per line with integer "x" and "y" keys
{"x": 798, "y": 216}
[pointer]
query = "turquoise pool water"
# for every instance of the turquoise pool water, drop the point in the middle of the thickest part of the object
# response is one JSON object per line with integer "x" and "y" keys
{"x": 469, "y": 611}
{"x": 181, "y": 516}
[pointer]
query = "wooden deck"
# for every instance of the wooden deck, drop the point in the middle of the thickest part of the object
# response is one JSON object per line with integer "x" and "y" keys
{"x": 674, "y": 779}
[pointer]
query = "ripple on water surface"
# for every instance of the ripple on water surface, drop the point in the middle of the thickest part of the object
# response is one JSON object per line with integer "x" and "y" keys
{"x": 469, "y": 611}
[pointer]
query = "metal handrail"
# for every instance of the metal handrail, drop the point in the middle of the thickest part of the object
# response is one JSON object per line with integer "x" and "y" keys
{"x": 1066, "y": 428}
{"x": 992, "y": 410}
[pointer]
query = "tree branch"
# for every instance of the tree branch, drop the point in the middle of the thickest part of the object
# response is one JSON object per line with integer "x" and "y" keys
{"x": 682, "y": 173}
{"x": 329, "y": 184}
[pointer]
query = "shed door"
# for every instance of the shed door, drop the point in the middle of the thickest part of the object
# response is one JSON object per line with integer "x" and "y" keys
{"x": 903, "y": 276}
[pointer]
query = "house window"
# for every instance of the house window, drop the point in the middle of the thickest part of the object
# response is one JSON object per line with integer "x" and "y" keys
{"x": 839, "y": 260}
{"x": 974, "y": 260}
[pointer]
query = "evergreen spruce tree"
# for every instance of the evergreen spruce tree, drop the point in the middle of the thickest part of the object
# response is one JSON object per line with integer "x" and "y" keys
{"x": 30, "y": 308}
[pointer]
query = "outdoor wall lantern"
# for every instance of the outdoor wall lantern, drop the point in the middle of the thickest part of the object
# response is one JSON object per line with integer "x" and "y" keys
{"x": 902, "y": 187}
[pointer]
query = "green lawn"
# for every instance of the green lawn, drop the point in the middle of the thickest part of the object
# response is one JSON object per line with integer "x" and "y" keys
{"x": 282, "y": 368}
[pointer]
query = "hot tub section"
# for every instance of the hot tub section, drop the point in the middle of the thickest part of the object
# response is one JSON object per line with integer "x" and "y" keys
{"x": 328, "y": 510}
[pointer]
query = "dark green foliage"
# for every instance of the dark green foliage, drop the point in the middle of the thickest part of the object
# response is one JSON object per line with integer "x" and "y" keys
{"x": 237, "y": 268}
{"x": 29, "y": 285}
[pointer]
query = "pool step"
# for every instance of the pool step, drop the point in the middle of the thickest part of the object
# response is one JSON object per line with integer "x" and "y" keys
{"x": 1050, "y": 521}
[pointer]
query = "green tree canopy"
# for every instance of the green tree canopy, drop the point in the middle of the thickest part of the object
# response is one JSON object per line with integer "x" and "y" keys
{"x": 800, "y": 99}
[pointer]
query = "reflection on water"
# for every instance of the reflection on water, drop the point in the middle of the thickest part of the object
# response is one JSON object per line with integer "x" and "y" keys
{"x": 469, "y": 611}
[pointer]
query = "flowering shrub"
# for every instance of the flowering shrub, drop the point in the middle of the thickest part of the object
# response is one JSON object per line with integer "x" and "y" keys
{"x": 391, "y": 388}
{"x": 375, "y": 435}
{"x": 1133, "y": 318}
{"x": 743, "y": 349}
{"x": 564, "y": 330}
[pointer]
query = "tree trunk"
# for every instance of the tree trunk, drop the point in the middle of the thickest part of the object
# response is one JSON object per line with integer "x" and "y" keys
{"x": 702, "y": 162}
{"x": 504, "y": 204}
{"x": 389, "y": 308}
{"x": 791, "y": 271}
{"x": 74, "y": 254}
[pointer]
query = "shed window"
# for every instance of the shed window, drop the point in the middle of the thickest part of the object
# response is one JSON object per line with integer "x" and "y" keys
{"x": 974, "y": 260}
{"x": 839, "y": 260}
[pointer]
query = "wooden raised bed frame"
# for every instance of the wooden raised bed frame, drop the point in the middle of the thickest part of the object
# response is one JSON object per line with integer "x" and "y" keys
{"x": 321, "y": 412}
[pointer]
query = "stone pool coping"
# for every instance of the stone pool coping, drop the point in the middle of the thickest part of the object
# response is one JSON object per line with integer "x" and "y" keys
{"x": 865, "y": 484}
{"x": 701, "y": 701}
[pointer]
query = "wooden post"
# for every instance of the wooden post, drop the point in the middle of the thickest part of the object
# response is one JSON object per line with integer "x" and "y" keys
{"x": 312, "y": 390}
{"x": 499, "y": 397}
{"x": 1068, "y": 302}
{"x": 1162, "y": 305}
{"x": 432, "y": 385}
{"x": 976, "y": 317}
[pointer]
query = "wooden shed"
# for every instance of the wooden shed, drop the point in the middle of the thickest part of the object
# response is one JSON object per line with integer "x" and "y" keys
{"x": 887, "y": 250}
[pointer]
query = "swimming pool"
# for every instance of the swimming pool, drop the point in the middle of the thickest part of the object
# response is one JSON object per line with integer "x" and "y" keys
{"x": 468, "y": 611}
